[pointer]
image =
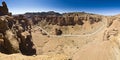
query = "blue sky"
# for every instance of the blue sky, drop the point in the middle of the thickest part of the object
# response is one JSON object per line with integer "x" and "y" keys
{"x": 104, "y": 7}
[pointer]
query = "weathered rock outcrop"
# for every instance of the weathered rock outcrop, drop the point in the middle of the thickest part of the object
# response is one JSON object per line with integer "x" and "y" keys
{"x": 10, "y": 43}
{"x": 4, "y": 9}
{"x": 14, "y": 38}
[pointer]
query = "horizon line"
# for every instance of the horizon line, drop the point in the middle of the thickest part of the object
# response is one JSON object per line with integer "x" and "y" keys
{"x": 64, "y": 12}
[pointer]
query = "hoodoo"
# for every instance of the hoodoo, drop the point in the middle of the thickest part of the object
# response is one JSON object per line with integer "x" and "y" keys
{"x": 4, "y": 9}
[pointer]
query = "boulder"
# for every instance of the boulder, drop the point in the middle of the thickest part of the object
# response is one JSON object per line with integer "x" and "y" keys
{"x": 58, "y": 32}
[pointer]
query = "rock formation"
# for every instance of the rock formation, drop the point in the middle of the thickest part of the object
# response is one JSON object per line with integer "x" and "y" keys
{"x": 12, "y": 35}
{"x": 16, "y": 36}
{"x": 4, "y": 9}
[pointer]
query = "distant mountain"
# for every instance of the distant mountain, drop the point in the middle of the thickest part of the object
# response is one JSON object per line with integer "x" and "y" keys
{"x": 52, "y": 13}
